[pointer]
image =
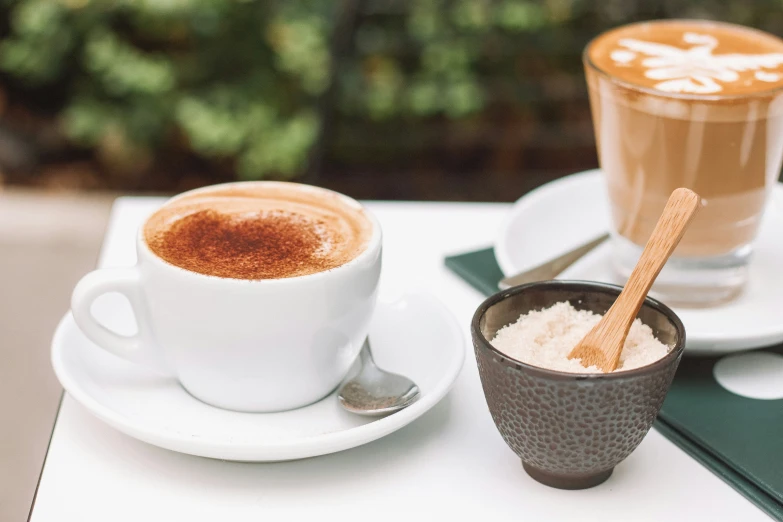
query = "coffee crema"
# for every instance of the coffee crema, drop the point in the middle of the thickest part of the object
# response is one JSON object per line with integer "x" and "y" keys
{"x": 691, "y": 57}
{"x": 262, "y": 230}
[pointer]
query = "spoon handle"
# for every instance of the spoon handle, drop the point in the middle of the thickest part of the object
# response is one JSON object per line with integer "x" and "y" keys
{"x": 603, "y": 344}
{"x": 677, "y": 215}
{"x": 365, "y": 354}
{"x": 671, "y": 226}
{"x": 554, "y": 267}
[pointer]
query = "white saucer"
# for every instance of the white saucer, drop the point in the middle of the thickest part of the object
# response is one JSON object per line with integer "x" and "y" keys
{"x": 569, "y": 211}
{"x": 414, "y": 335}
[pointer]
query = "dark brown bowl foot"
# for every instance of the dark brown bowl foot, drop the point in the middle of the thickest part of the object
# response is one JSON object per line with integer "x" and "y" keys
{"x": 567, "y": 481}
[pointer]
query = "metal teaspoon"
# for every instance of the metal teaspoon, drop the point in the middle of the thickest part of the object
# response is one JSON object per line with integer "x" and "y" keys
{"x": 375, "y": 392}
{"x": 553, "y": 267}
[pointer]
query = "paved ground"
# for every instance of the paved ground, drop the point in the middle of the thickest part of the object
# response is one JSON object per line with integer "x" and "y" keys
{"x": 46, "y": 243}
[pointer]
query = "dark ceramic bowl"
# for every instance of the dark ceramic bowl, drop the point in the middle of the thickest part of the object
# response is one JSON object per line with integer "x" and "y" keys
{"x": 570, "y": 429}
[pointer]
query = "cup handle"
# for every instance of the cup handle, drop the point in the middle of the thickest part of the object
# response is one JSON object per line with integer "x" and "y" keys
{"x": 139, "y": 348}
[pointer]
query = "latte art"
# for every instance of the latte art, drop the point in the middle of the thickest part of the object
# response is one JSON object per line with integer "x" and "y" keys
{"x": 684, "y": 57}
{"x": 695, "y": 70}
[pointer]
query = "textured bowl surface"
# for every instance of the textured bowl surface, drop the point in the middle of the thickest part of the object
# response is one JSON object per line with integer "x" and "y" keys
{"x": 569, "y": 429}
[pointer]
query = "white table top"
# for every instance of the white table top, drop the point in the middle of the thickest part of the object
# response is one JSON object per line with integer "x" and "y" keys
{"x": 452, "y": 461}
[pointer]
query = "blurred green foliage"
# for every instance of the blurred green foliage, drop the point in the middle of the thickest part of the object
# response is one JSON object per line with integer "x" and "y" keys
{"x": 235, "y": 79}
{"x": 246, "y": 80}
{"x": 242, "y": 79}
{"x": 432, "y": 61}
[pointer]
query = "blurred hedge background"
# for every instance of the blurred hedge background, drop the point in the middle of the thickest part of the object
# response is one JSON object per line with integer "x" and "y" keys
{"x": 384, "y": 99}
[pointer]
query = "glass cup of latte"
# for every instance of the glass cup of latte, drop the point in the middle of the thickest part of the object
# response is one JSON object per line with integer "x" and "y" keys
{"x": 696, "y": 104}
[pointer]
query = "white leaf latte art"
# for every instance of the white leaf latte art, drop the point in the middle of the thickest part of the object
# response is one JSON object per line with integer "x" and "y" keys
{"x": 695, "y": 70}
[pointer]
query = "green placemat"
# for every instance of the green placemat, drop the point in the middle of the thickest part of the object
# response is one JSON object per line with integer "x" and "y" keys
{"x": 737, "y": 438}
{"x": 478, "y": 268}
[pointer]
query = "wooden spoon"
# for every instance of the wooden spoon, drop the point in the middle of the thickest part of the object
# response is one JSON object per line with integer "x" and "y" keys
{"x": 603, "y": 344}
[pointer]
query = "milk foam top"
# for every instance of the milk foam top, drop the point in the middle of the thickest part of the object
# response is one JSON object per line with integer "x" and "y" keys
{"x": 689, "y": 57}
{"x": 235, "y": 230}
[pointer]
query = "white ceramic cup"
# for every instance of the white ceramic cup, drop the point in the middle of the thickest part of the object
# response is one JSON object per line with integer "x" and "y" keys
{"x": 247, "y": 345}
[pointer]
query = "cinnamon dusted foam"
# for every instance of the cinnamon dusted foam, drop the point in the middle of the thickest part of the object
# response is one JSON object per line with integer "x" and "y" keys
{"x": 263, "y": 230}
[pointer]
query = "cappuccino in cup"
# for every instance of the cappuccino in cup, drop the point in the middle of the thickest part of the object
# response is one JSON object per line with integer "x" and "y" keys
{"x": 683, "y": 103}
{"x": 258, "y": 231}
{"x": 255, "y": 296}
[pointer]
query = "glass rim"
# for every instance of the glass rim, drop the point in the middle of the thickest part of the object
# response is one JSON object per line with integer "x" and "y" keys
{"x": 588, "y": 62}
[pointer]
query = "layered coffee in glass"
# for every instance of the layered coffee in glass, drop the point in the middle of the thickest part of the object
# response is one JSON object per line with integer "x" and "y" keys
{"x": 683, "y": 103}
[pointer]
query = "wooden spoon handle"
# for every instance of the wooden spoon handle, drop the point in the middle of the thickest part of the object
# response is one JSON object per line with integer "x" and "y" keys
{"x": 603, "y": 344}
{"x": 671, "y": 226}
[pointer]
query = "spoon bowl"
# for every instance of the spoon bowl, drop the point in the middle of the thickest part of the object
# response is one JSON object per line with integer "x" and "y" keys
{"x": 373, "y": 391}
